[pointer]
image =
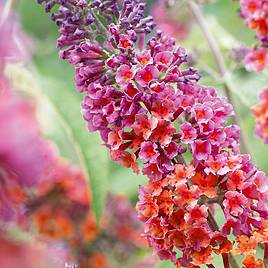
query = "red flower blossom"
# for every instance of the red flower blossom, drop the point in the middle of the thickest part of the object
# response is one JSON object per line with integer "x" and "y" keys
{"x": 163, "y": 132}
{"x": 125, "y": 42}
{"x": 234, "y": 203}
{"x": 201, "y": 149}
{"x": 224, "y": 245}
{"x": 250, "y": 262}
{"x": 235, "y": 181}
{"x": 147, "y": 75}
{"x": 196, "y": 213}
{"x": 188, "y": 133}
{"x": 115, "y": 139}
{"x": 260, "y": 112}
{"x": 202, "y": 256}
{"x": 144, "y": 126}
{"x": 206, "y": 183}
{"x": 152, "y": 170}
{"x": 164, "y": 59}
{"x": 148, "y": 152}
{"x": 144, "y": 58}
{"x": 125, "y": 159}
{"x": 202, "y": 113}
{"x": 124, "y": 74}
{"x": 163, "y": 109}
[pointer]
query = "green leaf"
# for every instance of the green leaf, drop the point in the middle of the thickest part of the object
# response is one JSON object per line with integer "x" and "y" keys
{"x": 246, "y": 86}
{"x": 92, "y": 155}
{"x": 227, "y": 15}
{"x": 127, "y": 182}
{"x": 164, "y": 264}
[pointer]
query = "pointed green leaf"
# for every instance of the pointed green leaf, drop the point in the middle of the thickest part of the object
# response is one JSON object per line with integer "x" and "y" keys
{"x": 92, "y": 155}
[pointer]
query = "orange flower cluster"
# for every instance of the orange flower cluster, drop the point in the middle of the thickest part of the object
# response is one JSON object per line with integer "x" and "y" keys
{"x": 63, "y": 206}
{"x": 250, "y": 262}
{"x": 260, "y": 111}
{"x": 177, "y": 215}
{"x": 175, "y": 218}
{"x": 30, "y": 253}
{"x": 247, "y": 246}
{"x": 61, "y": 211}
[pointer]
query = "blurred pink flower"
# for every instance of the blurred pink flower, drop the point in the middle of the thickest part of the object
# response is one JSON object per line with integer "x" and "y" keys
{"x": 12, "y": 198}
{"x": 260, "y": 112}
{"x": 24, "y": 154}
{"x": 34, "y": 254}
{"x": 23, "y": 151}
{"x": 14, "y": 44}
{"x": 256, "y": 59}
{"x": 169, "y": 24}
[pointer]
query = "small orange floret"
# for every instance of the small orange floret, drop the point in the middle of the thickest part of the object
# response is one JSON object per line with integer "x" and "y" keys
{"x": 250, "y": 262}
{"x": 89, "y": 228}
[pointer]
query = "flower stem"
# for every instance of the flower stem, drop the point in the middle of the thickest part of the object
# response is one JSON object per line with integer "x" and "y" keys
{"x": 212, "y": 222}
{"x": 214, "y": 226}
{"x": 220, "y": 64}
{"x": 265, "y": 257}
{"x": 225, "y": 260}
{"x": 210, "y": 266}
{"x": 102, "y": 29}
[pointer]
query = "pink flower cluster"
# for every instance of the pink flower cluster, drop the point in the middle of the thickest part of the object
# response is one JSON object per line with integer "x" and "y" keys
{"x": 152, "y": 114}
{"x": 16, "y": 46}
{"x": 24, "y": 158}
{"x": 159, "y": 113}
{"x": 171, "y": 23}
{"x": 30, "y": 253}
{"x": 255, "y": 14}
{"x": 260, "y": 111}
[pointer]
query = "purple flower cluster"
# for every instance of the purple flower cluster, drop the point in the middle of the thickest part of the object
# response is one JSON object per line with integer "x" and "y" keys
{"x": 79, "y": 20}
{"x": 128, "y": 14}
{"x": 159, "y": 112}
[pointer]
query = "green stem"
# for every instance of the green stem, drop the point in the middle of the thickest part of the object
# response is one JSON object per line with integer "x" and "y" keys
{"x": 214, "y": 226}
{"x": 102, "y": 29}
{"x": 216, "y": 53}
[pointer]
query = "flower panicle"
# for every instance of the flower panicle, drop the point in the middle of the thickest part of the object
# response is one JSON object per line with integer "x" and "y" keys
{"x": 255, "y": 13}
{"x": 152, "y": 113}
{"x": 80, "y": 20}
